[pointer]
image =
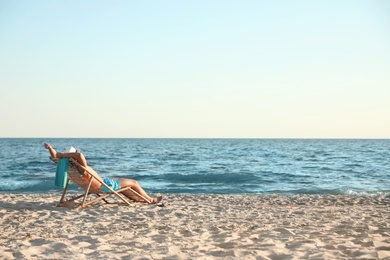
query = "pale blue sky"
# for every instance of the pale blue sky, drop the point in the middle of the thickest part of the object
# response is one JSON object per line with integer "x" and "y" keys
{"x": 215, "y": 69}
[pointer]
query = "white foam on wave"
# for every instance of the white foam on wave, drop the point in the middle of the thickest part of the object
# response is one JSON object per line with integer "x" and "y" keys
{"x": 366, "y": 193}
{"x": 16, "y": 185}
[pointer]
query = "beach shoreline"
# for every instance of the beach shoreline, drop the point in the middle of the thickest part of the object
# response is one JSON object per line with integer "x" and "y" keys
{"x": 198, "y": 226}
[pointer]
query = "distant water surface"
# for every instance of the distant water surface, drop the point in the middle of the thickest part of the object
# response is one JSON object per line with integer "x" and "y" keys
{"x": 221, "y": 166}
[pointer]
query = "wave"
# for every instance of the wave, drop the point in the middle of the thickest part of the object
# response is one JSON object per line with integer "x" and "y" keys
{"x": 226, "y": 178}
{"x": 18, "y": 185}
{"x": 366, "y": 193}
{"x": 316, "y": 191}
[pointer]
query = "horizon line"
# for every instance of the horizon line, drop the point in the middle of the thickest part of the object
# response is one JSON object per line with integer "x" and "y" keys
{"x": 286, "y": 138}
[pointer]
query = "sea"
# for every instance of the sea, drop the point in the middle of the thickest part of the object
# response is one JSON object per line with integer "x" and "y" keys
{"x": 209, "y": 166}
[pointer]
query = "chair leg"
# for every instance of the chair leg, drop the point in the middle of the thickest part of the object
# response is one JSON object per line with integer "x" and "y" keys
{"x": 86, "y": 192}
{"x": 64, "y": 192}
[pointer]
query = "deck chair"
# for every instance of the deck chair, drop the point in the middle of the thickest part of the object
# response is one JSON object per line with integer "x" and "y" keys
{"x": 125, "y": 195}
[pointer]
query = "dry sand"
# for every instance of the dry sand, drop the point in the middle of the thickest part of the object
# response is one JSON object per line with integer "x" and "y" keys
{"x": 198, "y": 227}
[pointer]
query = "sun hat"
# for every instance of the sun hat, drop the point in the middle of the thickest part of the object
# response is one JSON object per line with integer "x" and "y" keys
{"x": 71, "y": 149}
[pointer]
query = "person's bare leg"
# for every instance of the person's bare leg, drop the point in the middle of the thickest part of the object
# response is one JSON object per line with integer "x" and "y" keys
{"x": 135, "y": 186}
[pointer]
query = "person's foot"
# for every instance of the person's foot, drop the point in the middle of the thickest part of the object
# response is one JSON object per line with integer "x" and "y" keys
{"x": 158, "y": 201}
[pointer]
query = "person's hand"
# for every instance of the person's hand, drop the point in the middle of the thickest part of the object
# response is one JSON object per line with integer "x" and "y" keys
{"x": 46, "y": 145}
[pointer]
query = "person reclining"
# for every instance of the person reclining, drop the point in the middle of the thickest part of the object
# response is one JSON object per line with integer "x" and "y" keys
{"x": 115, "y": 184}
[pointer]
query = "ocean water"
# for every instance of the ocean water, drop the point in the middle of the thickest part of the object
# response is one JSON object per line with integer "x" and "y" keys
{"x": 220, "y": 166}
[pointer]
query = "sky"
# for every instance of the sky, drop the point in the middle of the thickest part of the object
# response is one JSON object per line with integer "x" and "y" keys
{"x": 195, "y": 69}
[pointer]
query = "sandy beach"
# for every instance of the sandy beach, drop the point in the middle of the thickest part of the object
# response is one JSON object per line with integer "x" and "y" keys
{"x": 198, "y": 227}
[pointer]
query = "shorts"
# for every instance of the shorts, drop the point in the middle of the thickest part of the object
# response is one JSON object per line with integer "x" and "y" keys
{"x": 113, "y": 184}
